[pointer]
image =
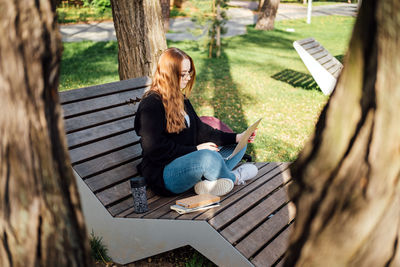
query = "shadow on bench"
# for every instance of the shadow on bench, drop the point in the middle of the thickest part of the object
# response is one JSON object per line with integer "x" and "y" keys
{"x": 250, "y": 228}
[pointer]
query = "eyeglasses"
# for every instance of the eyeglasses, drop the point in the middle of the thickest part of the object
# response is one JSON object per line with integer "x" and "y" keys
{"x": 185, "y": 75}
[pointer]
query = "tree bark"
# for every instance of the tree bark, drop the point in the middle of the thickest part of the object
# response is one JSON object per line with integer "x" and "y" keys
{"x": 140, "y": 34}
{"x": 347, "y": 178}
{"x": 41, "y": 223}
{"x": 178, "y": 3}
{"x": 165, "y": 13}
{"x": 266, "y": 19}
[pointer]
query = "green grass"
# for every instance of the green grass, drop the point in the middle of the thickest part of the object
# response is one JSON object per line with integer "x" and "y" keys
{"x": 71, "y": 14}
{"x": 252, "y": 79}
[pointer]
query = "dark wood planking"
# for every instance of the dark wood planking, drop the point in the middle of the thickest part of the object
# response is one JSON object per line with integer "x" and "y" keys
{"x": 280, "y": 263}
{"x": 244, "y": 224}
{"x": 103, "y": 89}
{"x": 160, "y": 206}
{"x": 310, "y": 45}
{"x": 265, "y": 174}
{"x": 315, "y": 50}
{"x": 92, "y": 150}
{"x": 265, "y": 232}
{"x": 329, "y": 64}
{"x": 100, "y": 103}
{"x": 248, "y": 201}
{"x": 174, "y": 215}
{"x": 98, "y": 118}
{"x": 269, "y": 255}
{"x": 320, "y": 55}
{"x": 305, "y": 41}
{"x": 115, "y": 193}
{"x": 99, "y": 132}
{"x": 113, "y": 176}
{"x": 125, "y": 207}
{"x": 324, "y": 60}
{"x": 106, "y": 162}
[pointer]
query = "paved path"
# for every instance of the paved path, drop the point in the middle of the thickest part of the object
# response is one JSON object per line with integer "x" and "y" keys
{"x": 241, "y": 15}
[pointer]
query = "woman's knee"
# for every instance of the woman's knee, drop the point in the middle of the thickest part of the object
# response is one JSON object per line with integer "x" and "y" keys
{"x": 206, "y": 154}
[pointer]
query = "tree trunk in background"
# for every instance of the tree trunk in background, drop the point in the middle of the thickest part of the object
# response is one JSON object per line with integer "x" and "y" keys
{"x": 178, "y": 3}
{"x": 41, "y": 223}
{"x": 266, "y": 19}
{"x": 165, "y": 13}
{"x": 141, "y": 38}
{"x": 260, "y": 4}
{"x": 347, "y": 178}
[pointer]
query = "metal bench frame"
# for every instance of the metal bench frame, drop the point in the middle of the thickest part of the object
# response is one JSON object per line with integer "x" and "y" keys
{"x": 324, "y": 68}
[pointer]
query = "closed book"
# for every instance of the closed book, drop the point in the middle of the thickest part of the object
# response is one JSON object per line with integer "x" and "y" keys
{"x": 182, "y": 210}
{"x": 198, "y": 201}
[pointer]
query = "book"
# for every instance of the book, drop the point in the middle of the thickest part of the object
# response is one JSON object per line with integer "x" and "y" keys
{"x": 182, "y": 210}
{"x": 198, "y": 201}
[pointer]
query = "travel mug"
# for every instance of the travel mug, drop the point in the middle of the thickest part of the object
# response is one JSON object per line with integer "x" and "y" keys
{"x": 138, "y": 188}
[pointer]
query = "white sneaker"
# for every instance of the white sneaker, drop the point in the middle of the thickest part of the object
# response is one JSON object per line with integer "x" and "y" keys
{"x": 245, "y": 172}
{"x": 218, "y": 187}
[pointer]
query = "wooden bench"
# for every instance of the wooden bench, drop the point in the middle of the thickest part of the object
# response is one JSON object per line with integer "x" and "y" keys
{"x": 324, "y": 68}
{"x": 250, "y": 228}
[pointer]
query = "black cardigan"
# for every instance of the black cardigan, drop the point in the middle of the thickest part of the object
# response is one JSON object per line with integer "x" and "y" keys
{"x": 160, "y": 148}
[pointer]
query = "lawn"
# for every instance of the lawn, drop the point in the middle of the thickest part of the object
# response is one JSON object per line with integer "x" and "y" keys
{"x": 252, "y": 79}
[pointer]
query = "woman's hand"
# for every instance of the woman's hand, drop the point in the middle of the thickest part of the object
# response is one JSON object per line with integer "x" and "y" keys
{"x": 208, "y": 145}
{"x": 251, "y": 138}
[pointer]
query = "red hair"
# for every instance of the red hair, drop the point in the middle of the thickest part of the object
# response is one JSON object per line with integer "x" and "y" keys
{"x": 166, "y": 83}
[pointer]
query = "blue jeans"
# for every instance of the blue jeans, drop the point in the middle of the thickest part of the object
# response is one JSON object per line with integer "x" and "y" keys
{"x": 184, "y": 172}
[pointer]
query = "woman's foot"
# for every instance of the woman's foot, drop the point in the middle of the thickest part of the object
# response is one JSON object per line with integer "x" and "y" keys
{"x": 245, "y": 172}
{"x": 218, "y": 187}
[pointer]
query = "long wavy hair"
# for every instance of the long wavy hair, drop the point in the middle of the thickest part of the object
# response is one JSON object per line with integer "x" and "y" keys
{"x": 166, "y": 83}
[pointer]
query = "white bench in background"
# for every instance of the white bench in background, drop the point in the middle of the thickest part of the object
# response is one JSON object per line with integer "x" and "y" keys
{"x": 324, "y": 68}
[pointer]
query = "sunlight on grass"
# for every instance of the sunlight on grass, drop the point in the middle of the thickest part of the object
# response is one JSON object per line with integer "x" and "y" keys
{"x": 239, "y": 87}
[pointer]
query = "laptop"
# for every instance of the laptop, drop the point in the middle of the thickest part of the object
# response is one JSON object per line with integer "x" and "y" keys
{"x": 242, "y": 142}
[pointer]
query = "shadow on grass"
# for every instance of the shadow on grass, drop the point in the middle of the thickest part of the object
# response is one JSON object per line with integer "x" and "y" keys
{"x": 227, "y": 101}
{"x": 296, "y": 79}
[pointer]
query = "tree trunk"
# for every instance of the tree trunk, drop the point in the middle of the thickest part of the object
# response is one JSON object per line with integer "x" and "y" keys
{"x": 347, "y": 178}
{"x": 266, "y": 19}
{"x": 260, "y": 4}
{"x": 218, "y": 30}
{"x": 178, "y": 3}
{"x": 140, "y": 34}
{"x": 41, "y": 223}
{"x": 165, "y": 13}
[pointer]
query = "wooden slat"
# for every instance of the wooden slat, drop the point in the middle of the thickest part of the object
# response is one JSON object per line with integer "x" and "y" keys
{"x": 315, "y": 50}
{"x": 329, "y": 64}
{"x": 265, "y": 232}
{"x": 102, "y": 147}
{"x": 99, "y": 103}
{"x": 160, "y": 206}
{"x": 305, "y": 41}
{"x": 264, "y": 177}
{"x": 100, "y": 132}
{"x": 100, "y": 117}
{"x": 103, "y": 89}
{"x": 106, "y": 162}
{"x": 125, "y": 207}
{"x": 310, "y": 45}
{"x": 335, "y": 70}
{"x": 273, "y": 251}
{"x": 249, "y": 200}
{"x": 113, "y": 176}
{"x": 241, "y": 226}
{"x": 320, "y": 55}
{"x": 174, "y": 215}
{"x": 115, "y": 193}
{"x": 281, "y": 262}
{"x": 325, "y": 59}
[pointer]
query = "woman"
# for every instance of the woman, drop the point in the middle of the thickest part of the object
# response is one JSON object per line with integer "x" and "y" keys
{"x": 178, "y": 149}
